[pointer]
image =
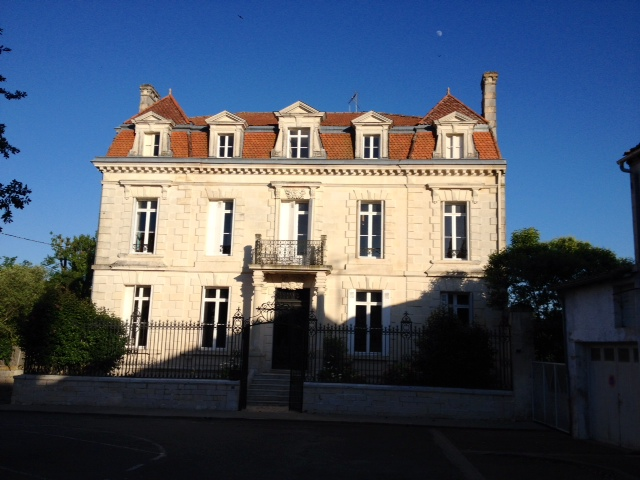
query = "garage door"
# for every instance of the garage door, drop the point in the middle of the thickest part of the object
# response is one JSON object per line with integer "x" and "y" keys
{"x": 614, "y": 394}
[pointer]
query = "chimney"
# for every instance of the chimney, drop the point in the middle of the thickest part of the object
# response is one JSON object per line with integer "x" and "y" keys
{"x": 489, "y": 110}
{"x": 148, "y": 96}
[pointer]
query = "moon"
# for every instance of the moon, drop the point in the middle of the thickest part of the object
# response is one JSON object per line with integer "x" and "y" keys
{"x": 439, "y": 33}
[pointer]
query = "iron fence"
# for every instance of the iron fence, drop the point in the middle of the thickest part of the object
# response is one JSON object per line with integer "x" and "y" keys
{"x": 388, "y": 355}
{"x": 166, "y": 350}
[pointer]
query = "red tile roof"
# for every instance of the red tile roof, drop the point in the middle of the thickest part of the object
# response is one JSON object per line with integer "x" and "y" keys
{"x": 122, "y": 144}
{"x": 410, "y": 145}
{"x": 399, "y": 146}
{"x": 447, "y": 105}
{"x": 339, "y": 146}
{"x": 168, "y": 108}
{"x": 199, "y": 144}
{"x": 486, "y": 145}
{"x": 258, "y": 144}
{"x": 424, "y": 143}
{"x": 180, "y": 144}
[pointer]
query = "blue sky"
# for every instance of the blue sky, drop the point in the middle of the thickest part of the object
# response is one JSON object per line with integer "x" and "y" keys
{"x": 568, "y": 91}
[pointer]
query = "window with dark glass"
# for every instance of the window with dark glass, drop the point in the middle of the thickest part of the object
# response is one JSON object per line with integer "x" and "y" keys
{"x": 214, "y": 317}
{"x": 299, "y": 143}
{"x": 139, "y": 327}
{"x": 455, "y": 231}
{"x": 368, "y": 322}
{"x": 371, "y": 229}
{"x": 145, "y": 231}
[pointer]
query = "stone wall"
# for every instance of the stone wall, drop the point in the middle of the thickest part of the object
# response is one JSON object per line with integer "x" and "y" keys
{"x": 126, "y": 392}
{"x": 437, "y": 403}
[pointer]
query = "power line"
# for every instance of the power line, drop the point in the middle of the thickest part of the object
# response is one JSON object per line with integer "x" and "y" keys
{"x": 23, "y": 238}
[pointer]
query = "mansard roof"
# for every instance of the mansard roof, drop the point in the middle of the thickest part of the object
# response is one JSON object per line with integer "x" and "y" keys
{"x": 410, "y": 137}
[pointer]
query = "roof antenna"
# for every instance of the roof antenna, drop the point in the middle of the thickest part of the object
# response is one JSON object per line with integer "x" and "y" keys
{"x": 353, "y": 100}
{"x": 448, "y": 90}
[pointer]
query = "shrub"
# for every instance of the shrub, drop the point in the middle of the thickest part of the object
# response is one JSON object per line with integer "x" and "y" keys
{"x": 336, "y": 364}
{"x": 68, "y": 335}
{"x": 453, "y": 354}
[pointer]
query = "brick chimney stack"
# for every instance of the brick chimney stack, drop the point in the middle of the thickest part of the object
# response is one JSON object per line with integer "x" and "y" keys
{"x": 148, "y": 96}
{"x": 489, "y": 109}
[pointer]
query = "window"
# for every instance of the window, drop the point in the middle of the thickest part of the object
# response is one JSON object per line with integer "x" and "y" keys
{"x": 225, "y": 146}
{"x": 371, "y": 229}
{"x": 371, "y": 146}
{"x": 139, "y": 328}
{"x": 369, "y": 315}
{"x": 454, "y": 146}
{"x": 151, "y": 147}
{"x": 459, "y": 304}
{"x": 455, "y": 231}
{"x": 219, "y": 235}
{"x": 299, "y": 143}
{"x": 294, "y": 225}
{"x": 215, "y": 308}
{"x": 145, "y": 230}
{"x": 368, "y": 323}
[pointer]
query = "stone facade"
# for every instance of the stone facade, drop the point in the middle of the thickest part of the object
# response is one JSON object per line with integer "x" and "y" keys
{"x": 412, "y": 171}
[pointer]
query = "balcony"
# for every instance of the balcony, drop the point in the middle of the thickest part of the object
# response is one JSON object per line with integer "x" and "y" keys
{"x": 290, "y": 254}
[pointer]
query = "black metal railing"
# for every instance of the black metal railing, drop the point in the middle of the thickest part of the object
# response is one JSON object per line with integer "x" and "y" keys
{"x": 388, "y": 355}
{"x": 171, "y": 349}
{"x": 290, "y": 252}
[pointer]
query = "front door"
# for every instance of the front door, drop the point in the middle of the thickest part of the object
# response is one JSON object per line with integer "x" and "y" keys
{"x": 290, "y": 325}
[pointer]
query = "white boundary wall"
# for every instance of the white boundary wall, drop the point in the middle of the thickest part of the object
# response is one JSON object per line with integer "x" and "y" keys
{"x": 222, "y": 395}
{"x": 433, "y": 402}
{"x": 126, "y": 392}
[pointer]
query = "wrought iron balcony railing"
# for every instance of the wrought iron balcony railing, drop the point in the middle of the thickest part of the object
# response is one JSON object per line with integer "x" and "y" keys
{"x": 290, "y": 252}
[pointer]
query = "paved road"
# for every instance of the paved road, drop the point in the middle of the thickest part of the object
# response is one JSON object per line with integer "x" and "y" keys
{"x": 65, "y": 446}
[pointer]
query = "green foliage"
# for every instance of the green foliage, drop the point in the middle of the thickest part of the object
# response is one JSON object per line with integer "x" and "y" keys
{"x": 69, "y": 335}
{"x": 14, "y": 194}
{"x": 453, "y": 354}
{"x": 526, "y": 275}
{"x": 21, "y": 286}
{"x": 336, "y": 363}
{"x": 70, "y": 264}
{"x": 528, "y": 272}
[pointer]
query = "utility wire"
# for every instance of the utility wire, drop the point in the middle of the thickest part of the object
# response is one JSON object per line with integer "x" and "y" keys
{"x": 27, "y": 239}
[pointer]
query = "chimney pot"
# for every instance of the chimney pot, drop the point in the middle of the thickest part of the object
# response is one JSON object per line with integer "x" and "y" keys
{"x": 489, "y": 108}
{"x": 148, "y": 96}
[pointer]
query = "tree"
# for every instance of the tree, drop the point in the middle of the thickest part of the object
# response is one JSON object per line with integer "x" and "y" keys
{"x": 14, "y": 194}
{"x": 68, "y": 335}
{"x": 528, "y": 273}
{"x": 21, "y": 286}
{"x": 452, "y": 353}
{"x": 71, "y": 262}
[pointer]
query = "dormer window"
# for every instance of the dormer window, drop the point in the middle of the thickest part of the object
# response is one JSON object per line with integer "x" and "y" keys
{"x": 455, "y": 137}
{"x": 151, "y": 146}
{"x": 225, "y": 145}
{"x": 226, "y": 135}
{"x": 299, "y": 133}
{"x": 455, "y": 146}
{"x": 372, "y": 135}
{"x": 153, "y": 135}
{"x": 371, "y": 147}
{"x": 299, "y": 143}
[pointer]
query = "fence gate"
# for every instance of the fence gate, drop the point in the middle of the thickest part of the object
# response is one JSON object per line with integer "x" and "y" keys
{"x": 291, "y": 341}
{"x": 551, "y": 395}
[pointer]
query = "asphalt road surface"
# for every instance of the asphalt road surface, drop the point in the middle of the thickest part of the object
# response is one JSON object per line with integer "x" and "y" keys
{"x": 111, "y": 447}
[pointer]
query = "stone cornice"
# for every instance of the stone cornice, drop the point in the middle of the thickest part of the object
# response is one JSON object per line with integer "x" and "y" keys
{"x": 326, "y": 168}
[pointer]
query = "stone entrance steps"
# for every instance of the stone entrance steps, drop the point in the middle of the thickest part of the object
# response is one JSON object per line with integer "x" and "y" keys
{"x": 269, "y": 389}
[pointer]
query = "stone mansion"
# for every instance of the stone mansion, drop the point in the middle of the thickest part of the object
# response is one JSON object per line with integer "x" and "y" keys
{"x": 361, "y": 217}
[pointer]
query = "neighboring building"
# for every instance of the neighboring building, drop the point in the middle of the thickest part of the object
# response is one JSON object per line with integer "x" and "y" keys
{"x": 603, "y": 338}
{"x": 359, "y": 216}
